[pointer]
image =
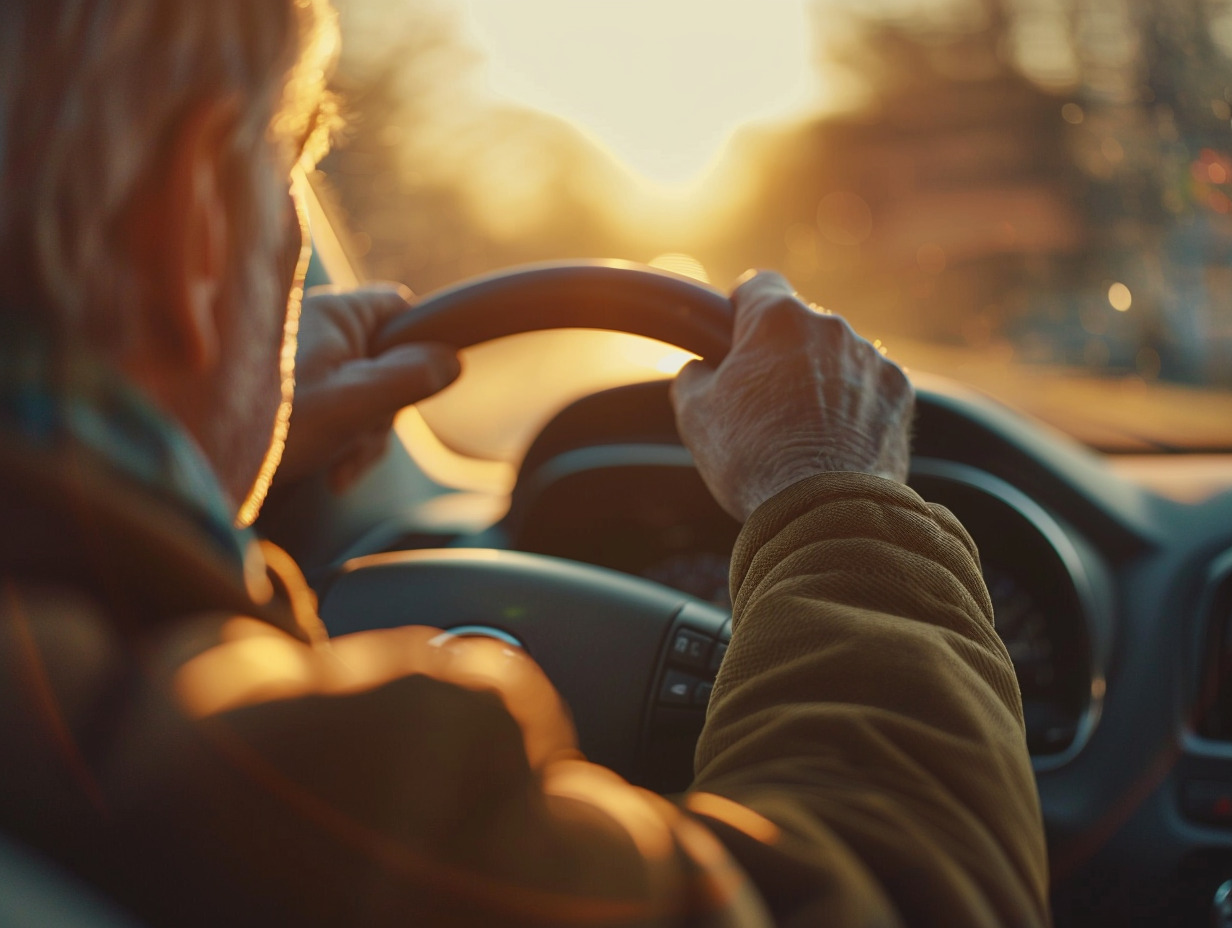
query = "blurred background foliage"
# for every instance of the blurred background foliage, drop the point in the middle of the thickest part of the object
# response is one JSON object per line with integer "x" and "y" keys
{"x": 991, "y": 184}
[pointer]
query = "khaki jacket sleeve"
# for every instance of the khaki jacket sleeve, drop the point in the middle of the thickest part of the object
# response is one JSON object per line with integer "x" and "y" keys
{"x": 864, "y": 756}
{"x": 388, "y": 779}
{"x": 863, "y": 760}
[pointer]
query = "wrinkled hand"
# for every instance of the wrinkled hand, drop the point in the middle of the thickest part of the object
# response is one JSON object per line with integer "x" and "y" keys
{"x": 345, "y": 397}
{"x": 800, "y": 394}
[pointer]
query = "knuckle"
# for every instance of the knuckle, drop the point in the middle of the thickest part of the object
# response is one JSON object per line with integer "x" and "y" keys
{"x": 894, "y": 380}
{"x": 783, "y": 316}
{"x": 903, "y": 396}
{"x": 833, "y": 325}
{"x": 755, "y": 283}
{"x": 895, "y": 374}
{"x": 782, "y": 304}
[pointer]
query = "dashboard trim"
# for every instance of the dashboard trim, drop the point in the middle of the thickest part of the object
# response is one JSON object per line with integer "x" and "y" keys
{"x": 596, "y": 457}
{"x": 1217, "y": 578}
{"x": 1059, "y": 541}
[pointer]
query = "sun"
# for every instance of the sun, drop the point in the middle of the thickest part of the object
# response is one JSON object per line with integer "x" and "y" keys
{"x": 662, "y": 84}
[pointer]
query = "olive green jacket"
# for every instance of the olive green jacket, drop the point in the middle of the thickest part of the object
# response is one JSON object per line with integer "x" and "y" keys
{"x": 184, "y": 736}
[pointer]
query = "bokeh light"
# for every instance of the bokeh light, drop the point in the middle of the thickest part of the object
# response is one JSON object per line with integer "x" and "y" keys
{"x": 1120, "y": 297}
{"x": 1003, "y": 196}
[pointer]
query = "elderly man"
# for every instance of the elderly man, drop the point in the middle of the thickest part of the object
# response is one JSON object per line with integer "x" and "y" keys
{"x": 179, "y": 732}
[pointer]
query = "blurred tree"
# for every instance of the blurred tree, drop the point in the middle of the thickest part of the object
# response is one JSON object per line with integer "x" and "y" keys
{"x": 926, "y": 210}
{"x": 1003, "y": 164}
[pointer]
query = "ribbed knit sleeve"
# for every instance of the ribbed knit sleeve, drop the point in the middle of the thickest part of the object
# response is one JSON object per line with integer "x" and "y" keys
{"x": 867, "y": 712}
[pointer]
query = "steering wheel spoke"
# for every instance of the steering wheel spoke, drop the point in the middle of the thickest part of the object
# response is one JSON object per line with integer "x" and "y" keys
{"x": 632, "y": 659}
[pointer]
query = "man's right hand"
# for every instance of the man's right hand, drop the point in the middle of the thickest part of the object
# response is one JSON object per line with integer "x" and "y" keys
{"x": 800, "y": 394}
{"x": 346, "y": 395}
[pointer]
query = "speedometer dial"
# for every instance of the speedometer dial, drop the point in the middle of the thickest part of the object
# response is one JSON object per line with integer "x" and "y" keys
{"x": 1023, "y": 627}
{"x": 656, "y": 519}
{"x": 1023, "y": 623}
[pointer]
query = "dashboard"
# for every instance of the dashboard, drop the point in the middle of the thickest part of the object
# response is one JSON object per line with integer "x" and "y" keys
{"x": 636, "y": 504}
{"x": 1114, "y": 601}
{"x": 1105, "y": 593}
{"x": 642, "y": 509}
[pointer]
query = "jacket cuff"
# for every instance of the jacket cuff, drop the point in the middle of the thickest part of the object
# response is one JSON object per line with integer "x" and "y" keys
{"x": 846, "y": 504}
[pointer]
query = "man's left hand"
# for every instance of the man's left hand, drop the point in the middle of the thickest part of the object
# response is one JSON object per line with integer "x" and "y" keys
{"x": 346, "y": 396}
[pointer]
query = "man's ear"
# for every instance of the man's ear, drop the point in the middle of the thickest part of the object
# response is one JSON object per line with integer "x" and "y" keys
{"x": 188, "y": 211}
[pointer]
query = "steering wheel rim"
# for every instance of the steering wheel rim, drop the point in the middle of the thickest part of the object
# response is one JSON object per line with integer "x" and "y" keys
{"x": 581, "y": 623}
{"x": 617, "y": 296}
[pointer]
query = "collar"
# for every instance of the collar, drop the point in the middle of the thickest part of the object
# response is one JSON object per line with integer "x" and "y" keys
{"x": 61, "y": 399}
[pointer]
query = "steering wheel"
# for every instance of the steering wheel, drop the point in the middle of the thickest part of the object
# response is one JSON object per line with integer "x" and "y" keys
{"x": 618, "y": 296}
{"x": 633, "y": 659}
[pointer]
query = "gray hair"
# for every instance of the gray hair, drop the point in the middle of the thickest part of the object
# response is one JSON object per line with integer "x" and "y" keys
{"x": 91, "y": 90}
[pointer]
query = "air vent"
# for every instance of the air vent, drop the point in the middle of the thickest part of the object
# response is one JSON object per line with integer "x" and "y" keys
{"x": 1213, "y": 709}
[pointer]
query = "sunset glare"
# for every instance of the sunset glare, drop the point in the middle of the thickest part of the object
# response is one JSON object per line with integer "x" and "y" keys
{"x": 662, "y": 84}
{"x": 996, "y": 191}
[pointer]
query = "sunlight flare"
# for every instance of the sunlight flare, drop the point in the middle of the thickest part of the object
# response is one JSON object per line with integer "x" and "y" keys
{"x": 662, "y": 84}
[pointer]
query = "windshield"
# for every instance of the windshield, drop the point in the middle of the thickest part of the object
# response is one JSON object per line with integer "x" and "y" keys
{"x": 1033, "y": 197}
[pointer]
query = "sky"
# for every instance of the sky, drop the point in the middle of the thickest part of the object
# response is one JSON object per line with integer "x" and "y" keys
{"x": 661, "y": 84}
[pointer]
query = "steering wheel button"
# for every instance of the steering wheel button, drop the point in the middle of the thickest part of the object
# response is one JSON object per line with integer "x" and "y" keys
{"x": 716, "y": 659}
{"x": 701, "y": 695}
{"x": 690, "y": 649}
{"x": 678, "y": 689}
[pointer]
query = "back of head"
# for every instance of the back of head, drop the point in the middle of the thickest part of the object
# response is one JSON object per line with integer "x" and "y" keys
{"x": 90, "y": 93}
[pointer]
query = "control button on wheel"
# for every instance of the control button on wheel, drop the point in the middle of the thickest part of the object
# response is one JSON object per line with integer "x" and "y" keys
{"x": 677, "y": 689}
{"x": 690, "y": 649}
{"x": 701, "y": 695}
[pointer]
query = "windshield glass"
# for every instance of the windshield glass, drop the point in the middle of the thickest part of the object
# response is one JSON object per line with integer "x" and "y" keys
{"x": 1033, "y": 197}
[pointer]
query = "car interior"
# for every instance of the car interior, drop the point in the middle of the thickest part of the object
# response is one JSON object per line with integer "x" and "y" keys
{"x": 1111, "y": 591}
{"x": 1062, "y": 195}
{"x": 1035, "y": 241}
{"x": 1067, "y": 330}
